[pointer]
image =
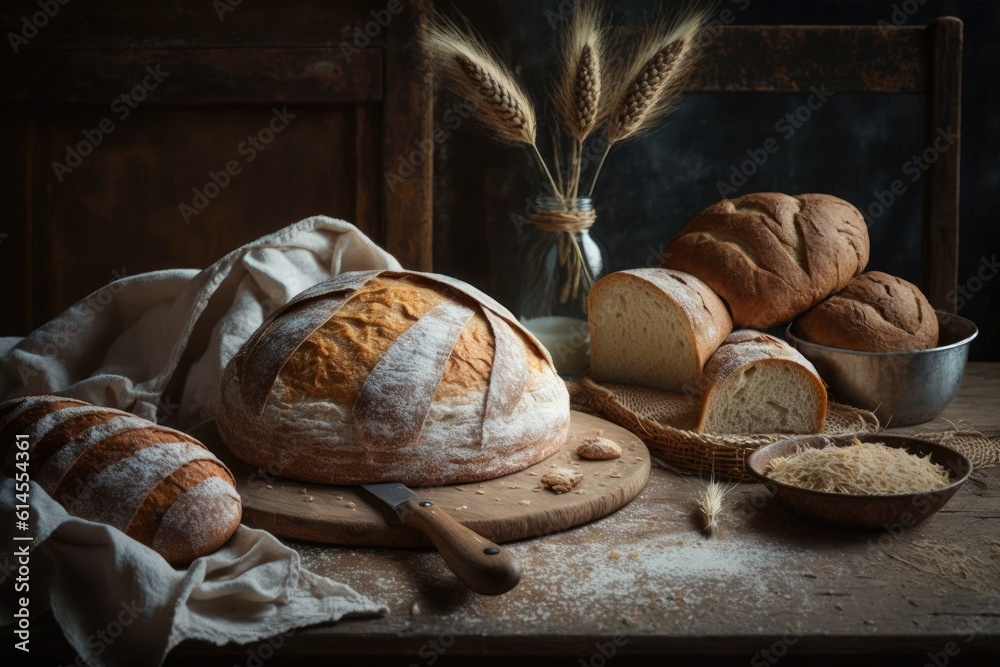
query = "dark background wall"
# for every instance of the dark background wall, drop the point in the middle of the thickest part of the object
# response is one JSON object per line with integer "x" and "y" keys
{"x": 853, "y": 146}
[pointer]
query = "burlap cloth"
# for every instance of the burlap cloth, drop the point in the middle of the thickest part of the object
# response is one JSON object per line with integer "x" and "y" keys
{"x": 666, "y": 422}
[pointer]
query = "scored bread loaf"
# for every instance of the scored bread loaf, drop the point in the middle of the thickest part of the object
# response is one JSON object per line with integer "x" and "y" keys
{"x": 400, "y": 376}
{"x": 771, "y": 256}
{"x": 157, "y": 485}
{"x": 756, "y": 383}
{"x": 876, "y": 312}
{"x": 653, "y": 328}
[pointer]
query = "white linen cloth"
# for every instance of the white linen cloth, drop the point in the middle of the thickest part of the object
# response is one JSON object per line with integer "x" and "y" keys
{"x": 123, "y": 347}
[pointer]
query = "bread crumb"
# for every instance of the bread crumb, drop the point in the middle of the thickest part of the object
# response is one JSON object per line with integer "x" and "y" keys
{"x": 524, "y": 502}
{"x": 461, "y": 507}
{"x": 458, "y": 488}
{"x": 633, "y": 556}
{"x": 480, "y": 492}
{"x": 580, "y": 492}
{"x": 562, "y": 480}
{"x": 307, "y": 499}
{"x": 268, "y": 486}
{"x": 614, "y": 555}
{"x": 598, "y": 449}
{"x": 515, "y": 486}
{"x": 340, "y": 497}
{"x": 351, "y": 505}
{"x": 533, "y": 474}
{"x": 615, "y": 474}
{"x": 304, "y": 492}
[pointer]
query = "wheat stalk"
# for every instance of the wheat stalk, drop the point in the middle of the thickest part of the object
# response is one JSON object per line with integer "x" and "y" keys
{"x": 578, "y": 93}
{"x": 651, "y": 84}
{"x": 710, "y": 505}
{"x": 468, "y": 65}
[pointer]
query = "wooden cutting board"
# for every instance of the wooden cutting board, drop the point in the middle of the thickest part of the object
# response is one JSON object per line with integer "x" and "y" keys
{"x": 508, "y": 508}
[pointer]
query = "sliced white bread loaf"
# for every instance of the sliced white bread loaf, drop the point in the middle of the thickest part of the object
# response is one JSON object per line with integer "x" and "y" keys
{"x": 654, "y": 328}
{"x": 756, "y": 383}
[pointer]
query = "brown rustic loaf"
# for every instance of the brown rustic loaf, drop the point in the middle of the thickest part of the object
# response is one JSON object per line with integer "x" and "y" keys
{"x": 392, "y": 376}
{"x": 771, "y": 256}
{"x": 157, "y": 485}
{"x": 653, "y": 328}
{"x": 876, "y": 312}
{"x": 756, "y": 383}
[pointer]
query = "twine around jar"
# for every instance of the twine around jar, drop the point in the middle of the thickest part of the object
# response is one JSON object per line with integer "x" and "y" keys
{"x": 567, "y": 224}
{"x": 564, "y": 221}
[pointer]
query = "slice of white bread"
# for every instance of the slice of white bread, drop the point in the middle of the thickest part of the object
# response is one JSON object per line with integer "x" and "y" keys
{"x": 654, "y": 328}
{"x": 756, "y": 383}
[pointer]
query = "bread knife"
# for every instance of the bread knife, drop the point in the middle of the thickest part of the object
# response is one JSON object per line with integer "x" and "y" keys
{"x": 480, "y": 564}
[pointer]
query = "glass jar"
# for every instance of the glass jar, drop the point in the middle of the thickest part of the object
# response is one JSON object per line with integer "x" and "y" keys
{"x": 558, "y": 262}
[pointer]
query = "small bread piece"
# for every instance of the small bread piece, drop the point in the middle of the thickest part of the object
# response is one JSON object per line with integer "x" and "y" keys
{"x": 561, "y": 480}
{"x": 654, "y": 328}
{"x": 771, "y": 256}
{"x": 756, "y": 383}
{"x": 598, "y": 449}
{"x": 876, "y": 312}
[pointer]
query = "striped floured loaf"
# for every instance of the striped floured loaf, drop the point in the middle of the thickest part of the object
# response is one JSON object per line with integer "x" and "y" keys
{"x": 400, "y": 376}
{"x": 155, "y": 484}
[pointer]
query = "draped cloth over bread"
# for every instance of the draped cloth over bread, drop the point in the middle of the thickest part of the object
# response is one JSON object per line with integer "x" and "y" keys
{"x": 156, "y": 345}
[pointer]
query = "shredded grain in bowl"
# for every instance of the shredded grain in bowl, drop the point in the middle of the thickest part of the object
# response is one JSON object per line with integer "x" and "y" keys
{"x": 861, "y": 468}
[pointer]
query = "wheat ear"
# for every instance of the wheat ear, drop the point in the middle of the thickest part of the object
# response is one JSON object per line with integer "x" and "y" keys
{"x": 710, "y": 505}
{"x": 475, "y": 74}
{"x": 651, "y": 85}
{"x": 578, "y": 93}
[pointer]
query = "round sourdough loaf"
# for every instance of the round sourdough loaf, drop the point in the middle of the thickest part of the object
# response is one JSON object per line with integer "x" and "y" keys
{"x": 876, "y": 312}
{"x": 771, "y": 256}
{"x": 157, "y": 485}
{"x": 398, "y": 376}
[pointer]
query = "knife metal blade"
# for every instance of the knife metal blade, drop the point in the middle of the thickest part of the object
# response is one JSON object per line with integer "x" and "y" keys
{"x": 391, "y": 493}
{"x": 479, "y": 563}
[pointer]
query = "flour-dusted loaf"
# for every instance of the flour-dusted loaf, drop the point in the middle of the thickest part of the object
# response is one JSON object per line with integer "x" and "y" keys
{"x": 392, "y": 376}
{"x": 876, "y": 312}
{"x": 771, "y": 256}
{"x": 157, "y": 485}
{"x": 756, "y": 383}
{"x": 654, "y": 328}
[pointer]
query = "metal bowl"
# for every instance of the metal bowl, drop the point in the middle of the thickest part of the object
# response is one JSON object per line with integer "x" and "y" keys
{"x": 870, "y": 512}
{"x": 901, "y": 388}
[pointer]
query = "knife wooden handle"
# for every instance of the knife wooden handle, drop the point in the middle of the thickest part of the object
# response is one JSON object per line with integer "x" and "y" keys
{"x": 480, "y": 564}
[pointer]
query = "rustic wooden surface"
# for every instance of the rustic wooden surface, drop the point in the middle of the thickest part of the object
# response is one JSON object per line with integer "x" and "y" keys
{"x": 648, "y": 579}
{"x": 507, "y": 508}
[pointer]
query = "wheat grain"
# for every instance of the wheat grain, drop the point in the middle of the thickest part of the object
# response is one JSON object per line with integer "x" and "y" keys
{"x": 646, "y": 92}
{"x": 710, "y": 505}
{"x": 651, "y": 85}
{"x": 475, "y": 74}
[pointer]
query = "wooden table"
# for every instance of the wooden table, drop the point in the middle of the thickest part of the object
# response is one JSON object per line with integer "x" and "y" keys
{"x": 645, "y": 581}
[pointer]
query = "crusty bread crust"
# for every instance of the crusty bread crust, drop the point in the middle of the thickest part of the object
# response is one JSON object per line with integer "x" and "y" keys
{"x": 876, "y": 312}
{"x": 113, "y": 467}
{"x": 412, "y": 377}
{"x": 771, "y": 256}
{"x": 746, "y": 347}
